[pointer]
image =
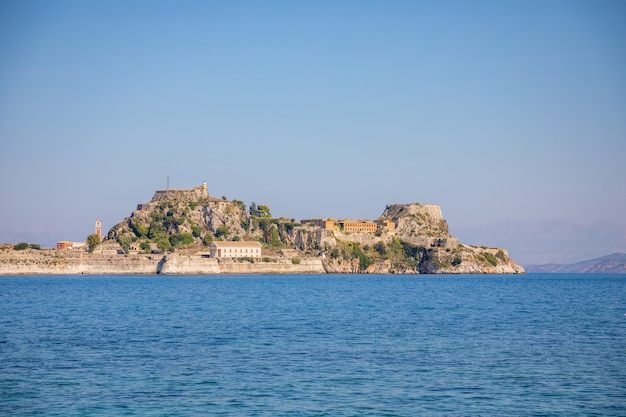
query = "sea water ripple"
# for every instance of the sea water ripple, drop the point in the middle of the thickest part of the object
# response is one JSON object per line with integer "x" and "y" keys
{"x": 313, "y": 345}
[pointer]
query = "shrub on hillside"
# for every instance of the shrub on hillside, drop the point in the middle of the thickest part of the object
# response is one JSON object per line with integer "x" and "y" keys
{"x": 222, "y": 231}
{"x": 490, "y": 258}
{"x": 380, "y": 248}
{"x": 163, "y": 243}
{"x": 139, "y": 229}
{"x": 93, "y": 240}
{"x": 240, "y": 204}
{"x": 124, "y": 242}
{"x": 181, "y": 239}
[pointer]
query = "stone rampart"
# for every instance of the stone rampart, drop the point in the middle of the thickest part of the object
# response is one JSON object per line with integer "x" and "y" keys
{"x": 78, "y": 263}
{"x": 185, "y": 195}
{"x": 433, "y": 242}
{"x": 276, "y": 266}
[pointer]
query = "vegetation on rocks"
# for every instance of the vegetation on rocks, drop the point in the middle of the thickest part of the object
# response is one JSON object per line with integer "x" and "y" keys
{"x": 420, "y": 242}
{"x": 21, "y": 246}
{"x": 92, "y": 242}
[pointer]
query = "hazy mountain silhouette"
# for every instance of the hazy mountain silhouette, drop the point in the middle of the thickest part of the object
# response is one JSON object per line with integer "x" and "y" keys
{"x": 610, "y": 264}
{"x": 553, "y": 241}
{"x": 39, "y": 236}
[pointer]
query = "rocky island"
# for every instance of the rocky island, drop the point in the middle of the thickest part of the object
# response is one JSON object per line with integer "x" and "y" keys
{"x": 189, "y": 232}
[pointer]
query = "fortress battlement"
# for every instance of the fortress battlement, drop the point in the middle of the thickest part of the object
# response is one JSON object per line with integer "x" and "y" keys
{"x": 181, "y": 195}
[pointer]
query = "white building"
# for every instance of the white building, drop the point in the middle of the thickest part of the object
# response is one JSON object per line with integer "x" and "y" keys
{"x": 241, "y": 249}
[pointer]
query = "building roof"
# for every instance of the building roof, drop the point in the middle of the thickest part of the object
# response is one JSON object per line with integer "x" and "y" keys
{"x": 238, "y": 244}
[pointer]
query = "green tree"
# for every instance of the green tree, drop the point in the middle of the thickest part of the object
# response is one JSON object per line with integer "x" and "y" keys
{"x": 275, "y": 240}
{"x": 380, "y": 248}
{"x": 93, "y": 241}
{"x": 289, "y": 226}
{"x": 240, "y": 204}
{"x": 155, "y": 230}
{"x": 124, "y": 242}
{"x": 181, "y": 239}
{"x": 207, "y": 239}
{"x": 263, "y": 224}
{"x": 253, "y": 209}
{"x": 163, "y": 243}
{"x": 145, "y": 246}
{"x": 222, "y": 231}
{"x": 139, "y": 229}
{"x": 170, "y": 222}
{"x": 395, "y": 247}
{"x": 21, "y": 246}
{"x": 175, "y": 239}
{"x": 196, "y": 230}
{"x": 410, "y": 250}
{"x": 357, "y": 252}
{"x": 263, "y": 211}
{"x": 490, "y": 258}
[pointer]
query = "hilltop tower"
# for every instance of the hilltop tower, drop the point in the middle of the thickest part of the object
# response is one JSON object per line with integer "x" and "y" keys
{"x": 99, "y": 228}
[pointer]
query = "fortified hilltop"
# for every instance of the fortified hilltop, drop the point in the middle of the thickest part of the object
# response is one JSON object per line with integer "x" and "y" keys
{"x": 405, "y": 238}
{"x": 188, "y": 231}
{"x": 185, "y": 195}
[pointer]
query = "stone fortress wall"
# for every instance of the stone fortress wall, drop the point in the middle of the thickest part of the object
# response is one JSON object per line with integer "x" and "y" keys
{"x": 183, "y": 195}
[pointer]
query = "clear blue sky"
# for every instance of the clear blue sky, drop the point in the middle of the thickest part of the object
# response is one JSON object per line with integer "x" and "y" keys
{"x": 491, "y": 109}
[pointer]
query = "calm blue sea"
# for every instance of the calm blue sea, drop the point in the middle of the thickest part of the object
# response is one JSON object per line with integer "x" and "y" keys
{"x": 313, "y": 345}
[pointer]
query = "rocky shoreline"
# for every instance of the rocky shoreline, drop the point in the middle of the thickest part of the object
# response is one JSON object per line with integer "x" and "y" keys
{"x": 53, "y": 262}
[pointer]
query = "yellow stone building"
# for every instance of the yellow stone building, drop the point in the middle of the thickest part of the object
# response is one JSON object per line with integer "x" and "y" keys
{"x": 359, "y": 226}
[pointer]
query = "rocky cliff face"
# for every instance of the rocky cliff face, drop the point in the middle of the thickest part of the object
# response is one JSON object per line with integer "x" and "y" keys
{"x": 420, "y": 224}
{"x": 176, "y": 216}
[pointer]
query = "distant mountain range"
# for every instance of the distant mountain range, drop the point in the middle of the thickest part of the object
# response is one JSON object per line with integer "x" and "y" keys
{"x": 547, "y": 242}
{"x": 610, "y": 264}
{"x": 30, "y": 235}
